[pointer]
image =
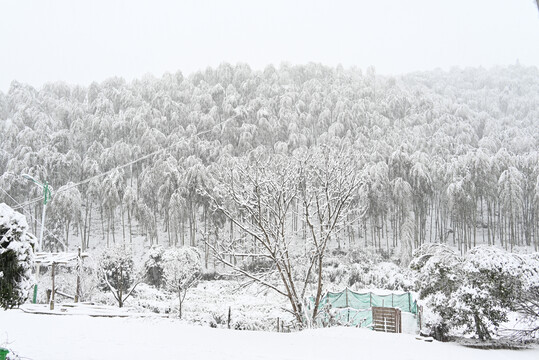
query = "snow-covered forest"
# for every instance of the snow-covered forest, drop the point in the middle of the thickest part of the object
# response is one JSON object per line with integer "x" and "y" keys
{"x": 437, "y": 157}
{"x": 303, "y": 180}
{"x": 269, "y": 179}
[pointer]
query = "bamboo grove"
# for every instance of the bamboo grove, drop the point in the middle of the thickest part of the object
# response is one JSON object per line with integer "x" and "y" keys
{"x": 443, "y": 156}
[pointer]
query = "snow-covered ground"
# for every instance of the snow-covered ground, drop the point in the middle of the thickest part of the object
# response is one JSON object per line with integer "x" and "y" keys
{"x": 80, "y": 337}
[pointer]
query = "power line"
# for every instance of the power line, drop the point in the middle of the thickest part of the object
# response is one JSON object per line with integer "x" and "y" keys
{"x": 65, "y": 188}
{"x": 108, "y": 172}
{"x": 132, "y": 162}
{"x": 35, "y": 200}
{"x": 29, "y": 202}
{"x": 34, "y": 219}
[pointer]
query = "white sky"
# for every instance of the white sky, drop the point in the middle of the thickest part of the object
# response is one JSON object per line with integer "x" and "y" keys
{"x": 84, "y": 41}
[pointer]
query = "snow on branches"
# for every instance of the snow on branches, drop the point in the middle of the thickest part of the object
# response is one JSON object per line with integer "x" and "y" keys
{"x": 16, "y": 257}
{"x": 474, "y": 292}
{"x": 276, "y": 201}
{"x": 116, "y": 273}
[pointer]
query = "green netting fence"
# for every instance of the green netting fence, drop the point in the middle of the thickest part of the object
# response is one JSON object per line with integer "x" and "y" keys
{"x": 355, "y": 309}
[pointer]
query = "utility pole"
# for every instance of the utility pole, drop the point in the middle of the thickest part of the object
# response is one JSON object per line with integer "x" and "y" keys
{"x": 46, "y": 198}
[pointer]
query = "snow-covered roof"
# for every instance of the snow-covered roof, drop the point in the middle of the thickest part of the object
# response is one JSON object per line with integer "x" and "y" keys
{"x": 44, "y": 258}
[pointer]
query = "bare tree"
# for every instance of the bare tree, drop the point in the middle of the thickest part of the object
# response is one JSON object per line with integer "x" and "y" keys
{"x": 257, "y": 194}
{"x": 181, "y": 271}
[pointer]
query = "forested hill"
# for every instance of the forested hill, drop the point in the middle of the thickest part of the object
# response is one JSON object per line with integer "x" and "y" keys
{"x": 456, "y": 149}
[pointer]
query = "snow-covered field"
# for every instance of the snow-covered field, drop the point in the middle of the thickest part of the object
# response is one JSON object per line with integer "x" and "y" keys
{"x": 80, "y": 337}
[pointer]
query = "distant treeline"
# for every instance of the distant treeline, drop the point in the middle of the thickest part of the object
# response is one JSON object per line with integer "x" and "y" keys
{"x": 443, "y": 156}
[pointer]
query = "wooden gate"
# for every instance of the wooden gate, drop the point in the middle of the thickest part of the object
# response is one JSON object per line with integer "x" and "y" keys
{"x": 386, "y": 319}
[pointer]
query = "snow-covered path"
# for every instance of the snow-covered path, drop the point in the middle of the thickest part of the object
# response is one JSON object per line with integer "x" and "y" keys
{"x": 80, "y": 337}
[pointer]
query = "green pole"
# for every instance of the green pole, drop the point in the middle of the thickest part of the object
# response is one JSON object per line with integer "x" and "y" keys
{"x": 46, "y": 193}
{"x": 3, "y": 353}
{"x": 46, "y": 198}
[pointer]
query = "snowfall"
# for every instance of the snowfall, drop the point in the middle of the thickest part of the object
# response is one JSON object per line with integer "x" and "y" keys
{"x": 82, "y": 337}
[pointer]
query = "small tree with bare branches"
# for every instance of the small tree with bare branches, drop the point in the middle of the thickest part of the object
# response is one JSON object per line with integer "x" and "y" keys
{"x": 181, "y": 270}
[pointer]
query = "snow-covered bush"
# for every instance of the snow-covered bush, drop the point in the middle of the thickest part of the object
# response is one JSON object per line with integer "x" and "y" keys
{"x": 473, "y": 293}
{"x": 476, "y": 310}
{"x": 180, "y": 264}
{"x": 490, "y": 281}
{"x": 526, "y": 301}
{"x": 365, "y": 259}
{"x": 209, "y": 275}
{"x": 335, "y": 275}
{"x": 334, "y": 271}
{"x": 181, "y": 268}
{"x": 104, "y": 298}
{"x": 16, "y": 257}
{"x": 438, "y": 277}
{"x": 356, "y": 276}
{"x": 216, "y": 319}
{"x": 153, "y": 266}
{"x": 361, "y": 269}
{"x": 116, "y": 272}
{"x": 257, "y": 265}
{"x": 239, "y": 321}
{"x": 384, "y": 275}
{"x": 387, "y": 275}
{"x": 437, "y": 270}
{"x": 253, "y": 306}
{"x": 149, "y": 298}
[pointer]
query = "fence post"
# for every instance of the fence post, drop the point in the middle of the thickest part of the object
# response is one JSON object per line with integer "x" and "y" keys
{"x": 409, "y": 302}
{"x": 420, "y": 317}
{"x": 400, "y": 320}
{"x": 51, "y": 304}
{"x": 347, "y": 309}
{"x": 79, "y": 269}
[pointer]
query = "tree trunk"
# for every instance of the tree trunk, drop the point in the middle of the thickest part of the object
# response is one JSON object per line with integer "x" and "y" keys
{"x": 167, "y": 225}
{"x": 102, "y": 222}
{"x": 319, "y": 289}
{"x": 123, "y": 222}
{"x": 183, "y": 231}
{"x": 180, "y": 300}
{"x": 67, "y": 234}
{"x": 89, "y": 227}
{"x": 130, "y": 225}
{"x": 113, "y": 228}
